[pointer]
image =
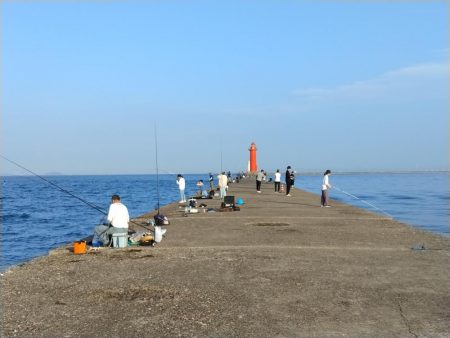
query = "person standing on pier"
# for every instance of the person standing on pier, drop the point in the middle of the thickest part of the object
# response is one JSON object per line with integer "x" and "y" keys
{"x": 223, "y": 183}
{"x": 259, "y": 178}
{"x": 325, "y": 186}
{"x": 290, "y": 179}
{"x": 277, "y": 180}
{"x": 181, "y": 185}
{"x": 211, "y": 181}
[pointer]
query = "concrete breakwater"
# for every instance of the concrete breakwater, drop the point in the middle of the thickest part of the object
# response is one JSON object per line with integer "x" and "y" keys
{"x": 282, "y": 266}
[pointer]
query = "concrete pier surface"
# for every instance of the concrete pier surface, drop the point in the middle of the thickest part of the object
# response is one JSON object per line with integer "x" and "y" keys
{"x": 280, "y": 267}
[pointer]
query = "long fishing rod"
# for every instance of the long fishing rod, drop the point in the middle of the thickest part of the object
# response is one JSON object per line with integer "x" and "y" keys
{"x": 370, "y": 204}
{"x": 157, "y": 170}
{"x": 64, "y": 190}
{"x": 221, "y": 155}
{"x": 56, "y": 186}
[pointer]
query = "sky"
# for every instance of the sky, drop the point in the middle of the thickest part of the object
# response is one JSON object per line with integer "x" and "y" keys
{"x": 97, "y": 87}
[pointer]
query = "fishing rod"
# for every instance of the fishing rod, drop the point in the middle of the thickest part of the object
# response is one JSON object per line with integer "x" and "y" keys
{"x": 157, "y": 170}
{"x": 221, "y": 155}
{"x": 370, "y": 204}
{"x": 93, "y": 206}
{"x": 56, "y": 186}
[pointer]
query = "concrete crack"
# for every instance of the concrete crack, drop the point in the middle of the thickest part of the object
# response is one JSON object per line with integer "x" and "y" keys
{"x": 405, "y": 320}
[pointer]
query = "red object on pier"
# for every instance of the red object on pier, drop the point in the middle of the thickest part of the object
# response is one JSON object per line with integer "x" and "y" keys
{"x": 253, "y": 166}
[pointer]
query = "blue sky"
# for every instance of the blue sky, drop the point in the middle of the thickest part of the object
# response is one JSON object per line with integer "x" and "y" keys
{"x": 341, "y": 85}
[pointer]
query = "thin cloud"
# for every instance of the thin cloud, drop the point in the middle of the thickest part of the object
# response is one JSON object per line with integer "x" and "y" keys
{"x": 423, "y": 81}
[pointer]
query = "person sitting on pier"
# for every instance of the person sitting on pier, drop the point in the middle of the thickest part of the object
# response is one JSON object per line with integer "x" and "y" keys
{"x": 118, "y": 218}
{"x": 202, "y": 192}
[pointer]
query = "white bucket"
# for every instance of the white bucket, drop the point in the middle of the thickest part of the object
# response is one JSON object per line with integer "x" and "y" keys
{"x": 159, "y": 232}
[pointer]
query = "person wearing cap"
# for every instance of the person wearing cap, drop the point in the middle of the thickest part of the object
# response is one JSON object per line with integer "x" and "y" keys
{"x": 118, "y": 218}
{"x": 325, "y": 186}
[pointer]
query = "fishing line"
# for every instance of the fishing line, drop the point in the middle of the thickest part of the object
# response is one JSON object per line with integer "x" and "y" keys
{"x": 157, "y": 170}
{"x": 370, "y": 204}
{"x": 93, "y": 206}
{"x": 57, "y": 186}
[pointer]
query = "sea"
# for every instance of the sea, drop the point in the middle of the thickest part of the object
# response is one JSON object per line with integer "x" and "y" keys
{"x": 38, "y": 215}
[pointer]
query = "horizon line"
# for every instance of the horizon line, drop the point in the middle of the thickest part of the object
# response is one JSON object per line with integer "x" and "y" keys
{"x": 308, "y": 172}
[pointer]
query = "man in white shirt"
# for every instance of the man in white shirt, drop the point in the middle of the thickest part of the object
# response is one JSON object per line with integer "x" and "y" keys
{"x": 181, "y": 185}
{"x": 118, "y": 215}
{"x": 223, "y": 183}
{"x": 118, "y": 219}
{"x": 325, "y": 186}
{"x": 277, "y": 180}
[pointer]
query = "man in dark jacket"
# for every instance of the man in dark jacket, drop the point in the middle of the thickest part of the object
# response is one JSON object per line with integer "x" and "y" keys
{"x": 290, "y": 178}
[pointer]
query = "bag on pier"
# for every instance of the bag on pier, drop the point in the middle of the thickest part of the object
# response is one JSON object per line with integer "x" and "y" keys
{"x": 161, "y": 219}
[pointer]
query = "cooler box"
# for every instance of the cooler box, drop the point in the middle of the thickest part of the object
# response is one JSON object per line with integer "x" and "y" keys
{"x": 229, "y": 201}
{"x": 120, "y": 240}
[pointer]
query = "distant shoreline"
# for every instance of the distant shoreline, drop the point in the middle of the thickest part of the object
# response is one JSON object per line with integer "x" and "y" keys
{"x": 306, "y": 173}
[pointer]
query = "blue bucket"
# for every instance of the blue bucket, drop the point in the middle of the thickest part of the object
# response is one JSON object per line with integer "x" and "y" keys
{"x": 239, "y": 201}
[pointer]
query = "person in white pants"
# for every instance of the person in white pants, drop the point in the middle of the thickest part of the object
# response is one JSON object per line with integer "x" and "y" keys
{"x": 181, "y": 185}
{"x": 223, "y": 183}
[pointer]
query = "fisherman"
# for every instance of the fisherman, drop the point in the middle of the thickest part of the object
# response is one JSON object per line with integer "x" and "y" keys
{"x": 223, "y": 184}
{"x": 325, "y": 186}
{"x": 211, "y": 182}
{"x": 117, "y": 219}
{"x": 181, "y": 185}
{"x": 202, "y": 192}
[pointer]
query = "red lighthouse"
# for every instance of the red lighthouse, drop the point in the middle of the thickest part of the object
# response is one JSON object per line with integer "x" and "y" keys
{"x": 253, "y": 166}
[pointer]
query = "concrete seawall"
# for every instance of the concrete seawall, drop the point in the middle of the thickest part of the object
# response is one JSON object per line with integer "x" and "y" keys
{"x": 280, "y": 267}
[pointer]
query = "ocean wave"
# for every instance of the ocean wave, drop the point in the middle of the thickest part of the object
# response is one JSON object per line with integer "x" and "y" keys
{"x": 19, "y": 216}
{"x": 404, "y": 197}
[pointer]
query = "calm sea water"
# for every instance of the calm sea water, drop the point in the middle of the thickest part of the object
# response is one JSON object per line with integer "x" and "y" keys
{"x": 36, "y": 217}
{"x": 419, "y": 199}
